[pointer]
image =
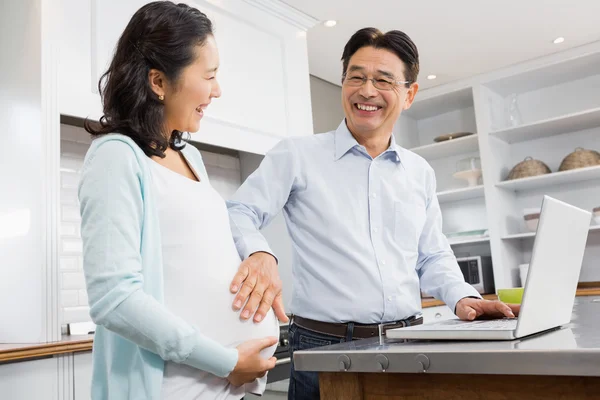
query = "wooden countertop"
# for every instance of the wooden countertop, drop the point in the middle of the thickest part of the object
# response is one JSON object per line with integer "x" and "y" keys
{"x": 583, "y": 289}
{"x": 72, "y": 344}
{"x": 68, "y": 344}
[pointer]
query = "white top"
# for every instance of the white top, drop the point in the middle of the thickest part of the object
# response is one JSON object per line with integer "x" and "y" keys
{"x": 200, "y": 260}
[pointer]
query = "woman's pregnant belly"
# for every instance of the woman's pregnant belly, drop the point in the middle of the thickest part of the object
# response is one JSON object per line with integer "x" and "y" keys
{"x": 203, "y": 299}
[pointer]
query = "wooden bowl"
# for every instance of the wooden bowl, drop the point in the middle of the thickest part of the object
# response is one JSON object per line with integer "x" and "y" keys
{"x": 450, "y": 136}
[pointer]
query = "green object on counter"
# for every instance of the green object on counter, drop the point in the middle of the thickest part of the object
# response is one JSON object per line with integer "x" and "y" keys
{"x": 511, "y": 296}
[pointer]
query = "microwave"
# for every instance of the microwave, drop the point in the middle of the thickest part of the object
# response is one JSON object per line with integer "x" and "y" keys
{"x": 478, "y": 272}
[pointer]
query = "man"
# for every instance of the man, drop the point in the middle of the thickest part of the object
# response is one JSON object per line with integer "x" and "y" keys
{"x": 362, "y": 215}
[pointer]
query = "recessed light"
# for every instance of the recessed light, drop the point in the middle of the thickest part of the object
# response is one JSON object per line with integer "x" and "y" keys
{"x": 330, "y": 24}
{"x": 559, "y": 40}
{"x": 430, "y": 77}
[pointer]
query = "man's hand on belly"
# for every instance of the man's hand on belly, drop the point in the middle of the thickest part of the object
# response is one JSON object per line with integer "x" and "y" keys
{"x": 259, "y": 280}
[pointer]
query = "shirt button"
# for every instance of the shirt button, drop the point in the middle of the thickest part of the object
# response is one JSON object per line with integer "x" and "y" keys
{"x": 375, "y": 230}
{"x": 374, "y": 195}
{"x": 382, "y": 262}
{"x": 389, "y": 298}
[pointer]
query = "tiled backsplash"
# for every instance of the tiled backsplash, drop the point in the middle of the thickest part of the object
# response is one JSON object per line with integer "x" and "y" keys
{"x": 224, "y": 174}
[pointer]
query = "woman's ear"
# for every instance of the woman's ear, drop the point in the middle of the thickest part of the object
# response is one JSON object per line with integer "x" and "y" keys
{"x": 157, "y": 82}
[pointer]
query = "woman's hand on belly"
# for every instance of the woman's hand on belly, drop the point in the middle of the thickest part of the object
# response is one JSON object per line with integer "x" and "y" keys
{"x": 250, "y": 364}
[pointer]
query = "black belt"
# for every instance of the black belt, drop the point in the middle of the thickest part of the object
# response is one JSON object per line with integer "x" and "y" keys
{"x": 360, "y": 331}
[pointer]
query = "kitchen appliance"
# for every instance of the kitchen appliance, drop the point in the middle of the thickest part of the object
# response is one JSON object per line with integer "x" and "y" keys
{"x": 282, "y": 354}
{"x": 477, "y": 271}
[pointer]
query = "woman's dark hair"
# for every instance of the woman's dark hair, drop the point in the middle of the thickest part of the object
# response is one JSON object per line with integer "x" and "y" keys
{"x": 395, "y": 41}
{"x": 160, "y": 35}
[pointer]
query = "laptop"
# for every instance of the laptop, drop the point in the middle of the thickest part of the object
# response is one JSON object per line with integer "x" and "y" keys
{"x": 550, "y": 287}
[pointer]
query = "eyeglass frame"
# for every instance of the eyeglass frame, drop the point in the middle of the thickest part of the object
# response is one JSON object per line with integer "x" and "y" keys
{"x": 373, "y": 82}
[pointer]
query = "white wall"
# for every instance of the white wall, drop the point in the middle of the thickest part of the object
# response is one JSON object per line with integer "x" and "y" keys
{"x": 326, "y": 100}
{"x": 224, "y": 174}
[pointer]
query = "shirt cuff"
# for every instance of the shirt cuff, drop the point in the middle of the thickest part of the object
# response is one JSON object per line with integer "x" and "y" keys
{"x": 209, "y": 355}
{"x": 460, "y": 292}
{"x": 254, "y": 245}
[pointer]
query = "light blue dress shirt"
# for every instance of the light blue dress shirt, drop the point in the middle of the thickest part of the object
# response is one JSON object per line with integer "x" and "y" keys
{"x": 366, "y": 233}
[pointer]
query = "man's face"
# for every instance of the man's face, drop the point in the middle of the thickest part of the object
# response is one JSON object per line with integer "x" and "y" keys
{"x": 370, "y": 110}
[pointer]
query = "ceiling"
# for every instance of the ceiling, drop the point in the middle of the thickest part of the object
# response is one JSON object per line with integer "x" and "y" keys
{"x": 456, "y": 39}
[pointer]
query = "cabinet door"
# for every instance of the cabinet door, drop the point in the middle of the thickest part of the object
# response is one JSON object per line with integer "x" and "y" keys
{"x": 436, "y": 314}
{"x": 78, "y": 76}
{"x": 29, "y": 380}
{"x": 82, "y": 375}
{"x": 263, "y": 72}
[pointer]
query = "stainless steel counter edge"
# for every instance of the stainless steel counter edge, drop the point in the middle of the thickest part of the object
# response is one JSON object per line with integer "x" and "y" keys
{"x": 574, "y": 363}
{"x": 570, "y": 351}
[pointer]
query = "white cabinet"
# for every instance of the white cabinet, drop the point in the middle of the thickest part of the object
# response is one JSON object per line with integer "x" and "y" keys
{"x": 263, "y": 73}
{"x": 82, "y": 375}
{"x": 29, "y": 380}
{"x": 437, "y": 314}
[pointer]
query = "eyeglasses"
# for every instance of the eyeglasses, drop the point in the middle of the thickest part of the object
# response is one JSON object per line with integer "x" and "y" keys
{"x": 379, "y": 83}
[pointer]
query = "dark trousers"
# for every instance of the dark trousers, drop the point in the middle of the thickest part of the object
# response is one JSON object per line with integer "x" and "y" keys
{"x": 304, "y": 385}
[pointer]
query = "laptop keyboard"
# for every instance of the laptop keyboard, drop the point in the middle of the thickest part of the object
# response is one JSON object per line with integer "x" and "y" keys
{"x": 506, "y": 323}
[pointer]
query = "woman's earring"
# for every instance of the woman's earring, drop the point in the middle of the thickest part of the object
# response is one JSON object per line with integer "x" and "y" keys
{"x": 161, "y": 97}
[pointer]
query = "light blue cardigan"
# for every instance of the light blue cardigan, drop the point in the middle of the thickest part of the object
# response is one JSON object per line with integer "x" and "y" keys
{"x": 122, "y": 261}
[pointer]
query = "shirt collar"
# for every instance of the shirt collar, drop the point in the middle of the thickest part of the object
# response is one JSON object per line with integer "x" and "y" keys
{"x": 344, "y": 141}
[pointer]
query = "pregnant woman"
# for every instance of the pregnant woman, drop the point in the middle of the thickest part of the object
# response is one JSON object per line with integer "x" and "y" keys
{"x": 158, "y": 250}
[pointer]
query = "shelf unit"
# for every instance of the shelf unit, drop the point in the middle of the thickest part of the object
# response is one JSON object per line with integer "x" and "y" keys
{"x": 467, "y": 193}
{"x": 557, "y": 110}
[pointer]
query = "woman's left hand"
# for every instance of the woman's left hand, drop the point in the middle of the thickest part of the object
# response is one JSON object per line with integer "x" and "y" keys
{"x": 258, "y": 278}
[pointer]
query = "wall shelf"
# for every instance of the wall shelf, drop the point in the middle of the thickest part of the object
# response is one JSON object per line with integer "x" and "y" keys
{"x": 529, "y": 235}
{"x": 448, "y": 196}
{"x": 551, "y": 127}
{"x": 448, "y": 148}
{"x": 552, "y": 179}
{"x": 469, "y": 241}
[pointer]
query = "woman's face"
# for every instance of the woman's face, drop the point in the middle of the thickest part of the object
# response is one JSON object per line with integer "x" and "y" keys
{"x": 186, "y": 99}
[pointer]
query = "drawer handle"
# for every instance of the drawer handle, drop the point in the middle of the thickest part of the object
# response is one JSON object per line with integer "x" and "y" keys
{"x": 282, "y": 361}
{"x": 438, "y": 315}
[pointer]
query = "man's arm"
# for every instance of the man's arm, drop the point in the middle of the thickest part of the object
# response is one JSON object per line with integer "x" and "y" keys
{"x": 438, "y": 270}
{"x": 260, "y": 198}
{"x": 440, "y": 274}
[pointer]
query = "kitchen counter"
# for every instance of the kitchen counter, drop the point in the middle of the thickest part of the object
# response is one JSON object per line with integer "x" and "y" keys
{"x": 69, "y": 344}
{"x": 566, "y": 361}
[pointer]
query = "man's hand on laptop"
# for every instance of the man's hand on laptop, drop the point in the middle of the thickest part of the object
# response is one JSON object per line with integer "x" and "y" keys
{"x": 470, "y": 308}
